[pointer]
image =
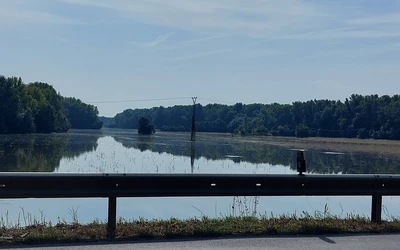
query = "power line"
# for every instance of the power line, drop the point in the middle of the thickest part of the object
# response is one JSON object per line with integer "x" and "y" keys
{"x": 142, "y": 100}
{"x": 160, "y": 99}
{"x": 216, "y": 101}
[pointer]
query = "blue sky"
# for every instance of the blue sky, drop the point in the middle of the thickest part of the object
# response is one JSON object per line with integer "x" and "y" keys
{"x": 226, "y": 51}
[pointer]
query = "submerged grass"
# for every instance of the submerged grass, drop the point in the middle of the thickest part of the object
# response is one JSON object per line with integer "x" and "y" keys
{"x": 197, "y": 227}
{"x": 383, "y": 147}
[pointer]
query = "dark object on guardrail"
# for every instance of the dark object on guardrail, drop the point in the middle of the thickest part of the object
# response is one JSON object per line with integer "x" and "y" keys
{"x": 301, "y": 162}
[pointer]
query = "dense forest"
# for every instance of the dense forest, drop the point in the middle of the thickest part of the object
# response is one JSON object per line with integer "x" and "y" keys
{"x": 37, "y": 107}
{"x": 370, "y": 116}
{"x": 81, "y": 115}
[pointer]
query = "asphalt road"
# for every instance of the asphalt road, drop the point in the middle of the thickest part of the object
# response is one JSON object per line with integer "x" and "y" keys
{"x": 360, "y": 242}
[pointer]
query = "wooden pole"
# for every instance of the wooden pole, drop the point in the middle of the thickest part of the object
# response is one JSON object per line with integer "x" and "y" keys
{"x": 193, "y": 130}
{"x": 376, "y": 208}
{"x": 112, "y": 217}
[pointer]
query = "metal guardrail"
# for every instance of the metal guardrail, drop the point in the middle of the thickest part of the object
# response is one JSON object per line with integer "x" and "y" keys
{"x": 63, "y": 185}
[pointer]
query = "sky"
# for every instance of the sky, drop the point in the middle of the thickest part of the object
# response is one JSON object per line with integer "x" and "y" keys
{"x": 120, "y": 54}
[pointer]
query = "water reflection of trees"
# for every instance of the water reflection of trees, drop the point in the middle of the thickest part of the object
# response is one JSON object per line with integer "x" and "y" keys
{"x": 42, "y": 152}
{"x": 255, "y": 152}
{"x": 143, "y": 142}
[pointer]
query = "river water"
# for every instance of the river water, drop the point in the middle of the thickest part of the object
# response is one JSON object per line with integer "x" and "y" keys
{"x": 123, "y": 151}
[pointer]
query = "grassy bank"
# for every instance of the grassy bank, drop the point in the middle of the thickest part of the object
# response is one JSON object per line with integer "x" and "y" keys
{"x": 383, "y": 147}
{"x": 203, "y": 227}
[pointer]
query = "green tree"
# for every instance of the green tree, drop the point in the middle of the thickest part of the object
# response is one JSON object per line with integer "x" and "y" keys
{"x": 302, "y": 130}
{"x": 37, "y": 107}
{"x": 51, "y": 108}
{"x": 9, "y": 105}
{"x": 81, "y": 115}
{"x": 145, "y": 127}
{"x": 363, "y": 133}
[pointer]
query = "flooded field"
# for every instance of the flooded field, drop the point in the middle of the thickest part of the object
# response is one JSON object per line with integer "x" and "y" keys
{"x": 124, "y": 151}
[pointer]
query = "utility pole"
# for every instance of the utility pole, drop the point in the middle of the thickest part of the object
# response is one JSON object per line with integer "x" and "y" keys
{"x": 193, "y": 131}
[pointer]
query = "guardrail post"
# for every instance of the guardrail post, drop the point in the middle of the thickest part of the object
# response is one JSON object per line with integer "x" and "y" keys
{"x": 376, "y": 209}
{"x": 112, "y": 217}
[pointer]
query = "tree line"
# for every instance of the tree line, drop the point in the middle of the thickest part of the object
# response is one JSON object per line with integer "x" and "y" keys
{"x": 369, "y": 116}
{"x": 38, "y": 107}
{"x": 81, "y": 115}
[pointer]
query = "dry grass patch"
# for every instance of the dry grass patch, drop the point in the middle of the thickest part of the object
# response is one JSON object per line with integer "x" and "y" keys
{"x": 383, "y": 147}
{"x": 196, "y": 227}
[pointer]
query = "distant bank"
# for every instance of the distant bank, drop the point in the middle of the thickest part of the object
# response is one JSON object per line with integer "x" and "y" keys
{"x": 359, "y": 116}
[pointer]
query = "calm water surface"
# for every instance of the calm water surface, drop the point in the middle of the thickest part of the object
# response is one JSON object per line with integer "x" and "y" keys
{"x": 123, "y": 151}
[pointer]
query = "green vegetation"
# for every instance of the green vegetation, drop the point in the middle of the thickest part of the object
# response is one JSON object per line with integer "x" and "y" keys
{"x": 108, "y": 122}
{"x": 37, "y": 107}
{"x": 81, "y": 115}
{"x": 145, "y": 127}
{"x": 359, "y": 116}
{"x": 242, "y": 221}
{"x": 39, "y": 233}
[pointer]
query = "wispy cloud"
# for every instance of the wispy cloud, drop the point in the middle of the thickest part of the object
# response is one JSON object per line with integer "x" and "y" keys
{"x": 259, "y": 53}
{"x": 195, "y": 41}
{"x": 390, "y": 18}
{"x": 158, "y": 40}
{"x": 256, "y": 18}
{"x": 348, "y": 32}
{"x": 270, "y": 19}
{"x": 14, "y": 12}
{"x": 202, "y": 39}
{"x": 196, "y": 55}
{"x": 363, "y": 51}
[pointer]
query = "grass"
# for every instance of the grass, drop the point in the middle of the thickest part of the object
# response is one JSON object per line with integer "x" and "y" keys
{"x": 383, "y": 147}
{"x": 242, "y": 220}
{"x": 196, "y": 227}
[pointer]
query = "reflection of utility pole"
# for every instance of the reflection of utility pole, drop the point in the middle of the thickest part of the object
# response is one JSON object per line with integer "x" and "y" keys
{"x": 193, "y": 131}
{"x": 192, "y": 154}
